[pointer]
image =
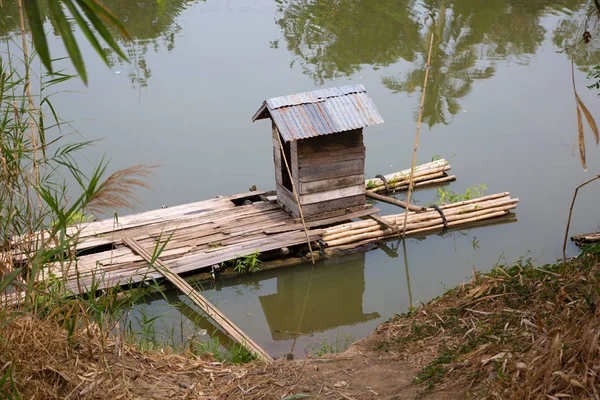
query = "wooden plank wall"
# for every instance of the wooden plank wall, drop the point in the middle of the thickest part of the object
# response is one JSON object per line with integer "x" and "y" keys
{"x": 330, "y": 172}
{"x": 285, "y": 198}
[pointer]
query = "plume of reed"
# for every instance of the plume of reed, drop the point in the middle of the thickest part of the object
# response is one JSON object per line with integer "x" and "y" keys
{"x": 117, "y": 191}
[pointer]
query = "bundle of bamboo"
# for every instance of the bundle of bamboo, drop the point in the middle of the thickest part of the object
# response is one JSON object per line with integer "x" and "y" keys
{"x": 586, "y": 238}
{"x": 431, "y": 173}
{"x": 457, "y": 214}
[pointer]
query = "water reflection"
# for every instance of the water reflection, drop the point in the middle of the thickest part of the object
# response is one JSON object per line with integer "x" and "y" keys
{"x": 569, "y": 31}
{"x": 333, "y": 292}
{"x": 151, "y": 23}
{"x": 333, "y": 38}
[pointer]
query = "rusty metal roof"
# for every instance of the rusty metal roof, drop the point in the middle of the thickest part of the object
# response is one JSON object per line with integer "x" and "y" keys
{"x": 320, "y": 112}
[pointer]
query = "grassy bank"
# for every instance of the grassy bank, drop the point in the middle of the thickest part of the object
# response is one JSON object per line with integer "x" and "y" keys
{"x": 519, "y": 331}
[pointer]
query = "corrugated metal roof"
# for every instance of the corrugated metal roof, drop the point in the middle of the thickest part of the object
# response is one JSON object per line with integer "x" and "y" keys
{"x": 320, "y": 112}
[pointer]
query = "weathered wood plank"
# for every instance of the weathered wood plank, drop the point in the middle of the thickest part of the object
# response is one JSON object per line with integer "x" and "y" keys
{"x": 191, "y": 262}
{"x": 333, "y": 170}
{"x": 322, "y": 222}
{"x": 332, "y": 194}
{"x": 246, "y": 195}
{"x": 287, "y": 199}
{"x": 151, "y": 217}
{"x": 331, "y": 205}
{"x": 331, "y": 143}
{"x": 341, "y": 155}
{"x": 212, "y": 312}
{"x": 383, "y": 222}
{"x": 333, "y": 183}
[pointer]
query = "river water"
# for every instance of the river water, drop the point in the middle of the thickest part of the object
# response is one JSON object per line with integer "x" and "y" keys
{"x": 499, "y": 108}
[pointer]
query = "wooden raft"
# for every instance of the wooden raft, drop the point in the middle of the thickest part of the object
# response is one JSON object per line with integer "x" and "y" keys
{"x": 210, "y": 310}
{"x": 197, "y": 236}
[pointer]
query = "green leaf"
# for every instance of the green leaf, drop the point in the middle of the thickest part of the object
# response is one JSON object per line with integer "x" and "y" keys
{"x": 8, "y": 279}
{"x": 37, "y": 32}
{"x": 106, "y": 14}
{"x": 68, "y": 39}
{"x": 86, "y": 30}
{"x": 92, "y": 16}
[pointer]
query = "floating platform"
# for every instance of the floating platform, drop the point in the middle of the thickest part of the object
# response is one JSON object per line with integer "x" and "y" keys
{"x": 214, "y": 233}
{"x": 197, "y": 236}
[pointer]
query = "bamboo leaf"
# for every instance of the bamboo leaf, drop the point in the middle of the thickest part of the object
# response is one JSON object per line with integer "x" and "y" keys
{"x": 581, "y": 139}
{"x": 590, "y": 119}
{"x": 8, "y": 279}
{"x": 100, "y": 28}
{"x": 37, "y": 32}
{"x": 83, "y": 25}
{"x": 106, "y": 14}
{"x": 68, "y": 39}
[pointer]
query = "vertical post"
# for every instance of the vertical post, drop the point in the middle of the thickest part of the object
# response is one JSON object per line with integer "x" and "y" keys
{"x": 414, "y": 158}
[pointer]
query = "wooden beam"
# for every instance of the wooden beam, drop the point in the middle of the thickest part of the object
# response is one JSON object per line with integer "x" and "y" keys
{"x": 210, "y": 310}
{"x": 322, "y": 222}
{"x": 383, "y": 222}
{"x": 395, "y": 202}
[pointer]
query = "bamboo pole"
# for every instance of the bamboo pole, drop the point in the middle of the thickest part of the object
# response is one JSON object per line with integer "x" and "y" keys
{"x": 220, "y": 319}
{"x": 564, "y": 249}
{"x": 418, "y": 183}
{"x": 414, "y": 217}
{"x": 414, "y": 158}
{"x": 435, "y": 224}
{"x": 423, "y": 168}
{"x": 287, "y": 167}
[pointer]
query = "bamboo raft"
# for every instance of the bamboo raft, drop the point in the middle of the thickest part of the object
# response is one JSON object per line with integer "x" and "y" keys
{"x": 203, "y": 234}
{"x": 586, "y": 238}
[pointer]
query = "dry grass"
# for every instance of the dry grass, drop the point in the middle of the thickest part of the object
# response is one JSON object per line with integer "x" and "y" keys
{"x": 39, "y": 361}
{"x": 519, "y": 332}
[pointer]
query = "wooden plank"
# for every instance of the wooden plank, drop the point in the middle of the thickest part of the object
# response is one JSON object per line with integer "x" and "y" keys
{"x": 293, "y": 162}
{"x": 287, "y": 199}
{"x": 333, "y": 170}
{"x": 323, "y": 222}
{"x": 331, "y": 205}
{"x": 340, "y": 155}
{"x": 383, "y": 222}
{"x": 332, "y": 194}
{"x": 210, "y": 310}
{"x": 191, "y": 262}
{"x": 245, "y": 195}
{"x": 155, "y": 216}
{"x": 333, "y": 183}
{"x": 396, "y": 202}
{"x": 331, "y": 143}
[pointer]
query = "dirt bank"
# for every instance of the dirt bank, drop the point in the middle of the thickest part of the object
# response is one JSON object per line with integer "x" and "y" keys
{"x": 521, "y": 331}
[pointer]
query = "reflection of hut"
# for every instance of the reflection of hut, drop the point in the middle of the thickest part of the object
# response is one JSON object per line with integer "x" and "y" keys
{"x": 321, "y": 134}
{"x": 335, "y": 298}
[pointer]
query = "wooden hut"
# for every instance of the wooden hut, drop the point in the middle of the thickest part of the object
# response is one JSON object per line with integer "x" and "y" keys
{"x": 322, "y": 137}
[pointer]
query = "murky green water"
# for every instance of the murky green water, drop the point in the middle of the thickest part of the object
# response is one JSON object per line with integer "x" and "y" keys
{"x": 499, "y": 107}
